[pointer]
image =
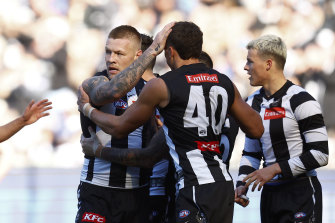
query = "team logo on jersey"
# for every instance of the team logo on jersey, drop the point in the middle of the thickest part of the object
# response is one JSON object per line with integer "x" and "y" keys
{"x": 92, "y": 217}
{"x": 274, "y": 113}
{"x": 200, "y": 78}
{"x": 299, "y": 215}
{"x": 209, "y": 146}
{"x": 121, "y": 104}
{"x": 184, "y": 213}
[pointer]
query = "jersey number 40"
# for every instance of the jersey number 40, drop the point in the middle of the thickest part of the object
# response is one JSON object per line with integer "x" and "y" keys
{"x": 195, "y": 114}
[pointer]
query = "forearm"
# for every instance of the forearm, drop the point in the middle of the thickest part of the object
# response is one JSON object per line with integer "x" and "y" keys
{"x": 105, "y": 121}
{"x": 106, "y": 92}
{"x": 309, "y": 160}
{"x": 131, "y": 157}
{"x": 8, "y": 130}
{"x": 142, "y": 157}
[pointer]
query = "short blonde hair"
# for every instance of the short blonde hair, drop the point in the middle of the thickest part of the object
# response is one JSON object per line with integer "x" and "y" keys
{"x": 270, "y": 46}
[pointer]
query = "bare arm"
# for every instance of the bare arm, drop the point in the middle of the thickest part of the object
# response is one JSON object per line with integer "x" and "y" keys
{"x": 248, "y": 119}
{"x": 153, "y": 94}
{"x": 102, "y": 92}
{"x": 145, "y": 157}
{"x": 33, "y": 112}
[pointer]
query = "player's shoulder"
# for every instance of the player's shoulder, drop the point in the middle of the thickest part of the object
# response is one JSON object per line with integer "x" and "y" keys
{"x": 258, "y": 92}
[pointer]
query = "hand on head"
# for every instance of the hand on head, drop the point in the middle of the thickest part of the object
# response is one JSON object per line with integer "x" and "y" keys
{"x": 159, "y": 42}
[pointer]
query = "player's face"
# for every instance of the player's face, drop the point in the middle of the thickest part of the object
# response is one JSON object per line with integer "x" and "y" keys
{"x": 256, "y": 68}
{"x": 119, "y": 54}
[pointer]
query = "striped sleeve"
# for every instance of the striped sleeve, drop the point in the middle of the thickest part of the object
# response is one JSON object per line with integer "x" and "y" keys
{"x": 313, "y": 131}
{"x": 251, "y": 159}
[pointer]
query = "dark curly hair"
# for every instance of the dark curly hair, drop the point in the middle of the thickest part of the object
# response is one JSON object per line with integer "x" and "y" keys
{"x": 186, "y": 38}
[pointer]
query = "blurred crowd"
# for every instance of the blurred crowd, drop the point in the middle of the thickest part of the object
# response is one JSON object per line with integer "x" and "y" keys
{"x": 48, "y": 47}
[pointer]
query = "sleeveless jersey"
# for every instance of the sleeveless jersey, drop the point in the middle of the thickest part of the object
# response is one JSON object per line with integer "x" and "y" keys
{"x": 295, "y": 135}
{"x": 104, "y": 173}
{"x": 193, "y": 123}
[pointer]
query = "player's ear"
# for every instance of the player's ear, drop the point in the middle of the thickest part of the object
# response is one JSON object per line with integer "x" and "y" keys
{"x": 169, "y": 51}
{"x": 138, "y": 53}
{"x": 268, "y": 64}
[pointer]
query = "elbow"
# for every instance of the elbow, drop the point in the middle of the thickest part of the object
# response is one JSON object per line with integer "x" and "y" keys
{"x": 259, "y": 132}
{"x": 99, "y": 96}
{"x": 255, "y": 132}
{"x": 324, "y": 161}
{"x": 257, "y": 128}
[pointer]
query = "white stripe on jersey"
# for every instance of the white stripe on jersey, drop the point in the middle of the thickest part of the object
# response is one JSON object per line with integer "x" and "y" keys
{"x": 297, "y": 167}
{"x": 313, "y": 109}
{"x": 104, "y": 138}
{"x": 223, "y": 168}
{"x": 316, "y": 135}
{"x": 320, "y": 157}
{"x": 174, "y": 155}
{"x": 200, "y": 167}
{"x": 132, "y": 177}
{"x": 172, "y": 147}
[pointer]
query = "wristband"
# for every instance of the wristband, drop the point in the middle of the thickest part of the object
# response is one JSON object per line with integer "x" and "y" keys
{"x": 87, "y": 110}
{"x": 90, "y": 112}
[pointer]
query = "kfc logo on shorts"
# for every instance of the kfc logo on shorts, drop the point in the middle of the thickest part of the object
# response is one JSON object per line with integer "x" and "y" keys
{"x": 184, "y": 213}
{"x": 200, "y": 78}
{"x": 209, "y": 146}
{"x": 92, "y": 217}
{"x": 299, "y": 215}
{"x": 274, "y": 113}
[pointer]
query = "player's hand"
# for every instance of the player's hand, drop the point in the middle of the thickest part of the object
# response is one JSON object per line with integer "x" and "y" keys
{"x": 82, "y": 98}
{"x": 240, "y": 196}
{"x": 91, "y": 146}
{"x": 35, "y": 111}
{"x": 260, "y": 177}
{"x": 158, "y": 44}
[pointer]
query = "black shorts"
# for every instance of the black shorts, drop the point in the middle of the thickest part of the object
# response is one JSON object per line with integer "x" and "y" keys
{"x": 213, "y": 202}
{"x": 109, "y": 205}
{"x": 296, "y": 201}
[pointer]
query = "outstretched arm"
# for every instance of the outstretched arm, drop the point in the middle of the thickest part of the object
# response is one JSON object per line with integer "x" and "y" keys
{"x": 34, "y": 111}
{"x": 145, "y": 157}
{"x": 101, "y": 91}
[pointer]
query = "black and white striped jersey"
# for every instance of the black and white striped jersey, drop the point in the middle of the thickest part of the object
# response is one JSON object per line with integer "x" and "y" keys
{"x": 294, "y": 136}
{"x": 193, "y": 123}
{"x": 104, "y": 173}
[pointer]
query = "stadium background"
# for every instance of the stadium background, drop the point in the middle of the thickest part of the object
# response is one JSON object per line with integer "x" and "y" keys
{"x": 48, "y": 47}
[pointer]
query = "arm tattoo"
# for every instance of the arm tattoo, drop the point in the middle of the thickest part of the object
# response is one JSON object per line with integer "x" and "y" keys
{"x": 90, "y": 84}
{"x": 123, "y": 82}
{"x": 146, "y": 157}
{"x": 157, "y": 48}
